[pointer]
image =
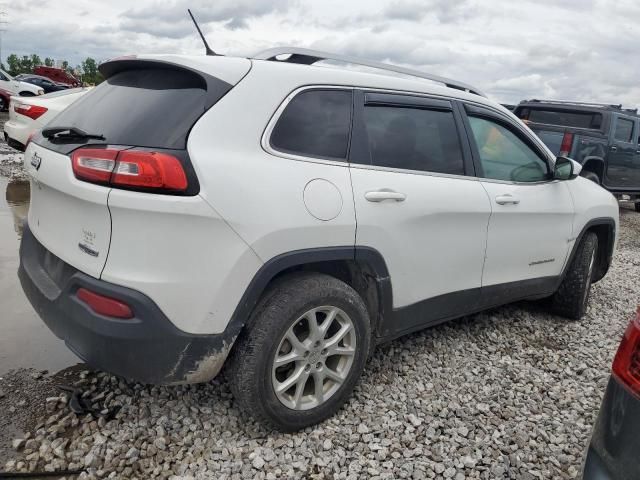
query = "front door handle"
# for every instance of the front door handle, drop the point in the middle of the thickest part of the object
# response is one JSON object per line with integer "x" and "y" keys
{"x": 507, "y": 199}
{"x": 382, "y": 195}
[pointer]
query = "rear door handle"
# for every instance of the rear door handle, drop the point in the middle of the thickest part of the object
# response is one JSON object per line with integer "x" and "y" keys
{"x": 507, "y": 199}
{"x": 382, "y": 195}
{"x": 614, "y": 148}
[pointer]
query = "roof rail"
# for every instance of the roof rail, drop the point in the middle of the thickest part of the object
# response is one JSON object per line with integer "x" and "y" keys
{"x": 307, "y": 56}
{"x": 567, "y": 102}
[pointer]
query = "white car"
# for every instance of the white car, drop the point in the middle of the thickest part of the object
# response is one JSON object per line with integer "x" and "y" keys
{"x": 23, "y": 89}
{"x": 26, "y": 115}
{"x": 283, "y": 218}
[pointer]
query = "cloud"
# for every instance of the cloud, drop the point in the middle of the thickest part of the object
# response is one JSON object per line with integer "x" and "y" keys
{"x": 172, "y": 16}
{"x": 567, "y": 49}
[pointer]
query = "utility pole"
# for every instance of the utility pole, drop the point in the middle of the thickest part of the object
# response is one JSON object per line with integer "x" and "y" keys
{"x": 4, "y": 21}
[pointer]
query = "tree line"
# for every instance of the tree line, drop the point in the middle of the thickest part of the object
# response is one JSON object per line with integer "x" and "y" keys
{"x": 87, "y": 70}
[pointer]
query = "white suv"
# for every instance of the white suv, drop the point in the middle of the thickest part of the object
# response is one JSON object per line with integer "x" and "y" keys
{"x": 283, "y": 218}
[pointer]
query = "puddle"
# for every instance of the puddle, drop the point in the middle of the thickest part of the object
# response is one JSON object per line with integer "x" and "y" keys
{"x": 25, "y": 342}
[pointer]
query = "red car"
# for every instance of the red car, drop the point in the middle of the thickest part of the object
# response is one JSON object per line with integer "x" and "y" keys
{"x": 57, "y": 75}
{"x": 5, "y": 95}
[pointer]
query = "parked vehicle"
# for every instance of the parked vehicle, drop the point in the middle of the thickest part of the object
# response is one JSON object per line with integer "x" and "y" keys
{"x": 603, "y": 138}
{"x": 58, "y": 75}
{"x": 47, "y": 85}
{"x": 215, "y": 222}
{"x": 26, "y": 115}
{"x": 5, "y": 97}
{"x": 615, "y": 444}
{"x": 17, "y": 87}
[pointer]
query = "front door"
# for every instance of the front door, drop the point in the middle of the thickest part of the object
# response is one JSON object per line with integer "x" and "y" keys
{"x": 623, "y": 158}
{"x": 531, "y": 215}
{"x": 417, "y": 207}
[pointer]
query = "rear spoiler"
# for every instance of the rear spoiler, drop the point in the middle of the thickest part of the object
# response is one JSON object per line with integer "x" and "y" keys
{"x": 215, "y": 87}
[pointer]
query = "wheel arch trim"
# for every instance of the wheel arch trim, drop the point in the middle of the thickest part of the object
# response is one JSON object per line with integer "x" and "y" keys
{"x": 284, "y": 261}
{"x": 604, "y": 260}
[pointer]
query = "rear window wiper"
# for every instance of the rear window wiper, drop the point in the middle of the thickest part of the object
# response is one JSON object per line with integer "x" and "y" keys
{"x": 68, "y": 132}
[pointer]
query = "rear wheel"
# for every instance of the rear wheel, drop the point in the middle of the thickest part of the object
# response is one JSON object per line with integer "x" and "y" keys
{"x": 302, "y": 353}
{"x": 573, "y": 294}
{"x": 590, "y": 176}
{"x": 637, "y": 206}
{"x": 3, "y": 104}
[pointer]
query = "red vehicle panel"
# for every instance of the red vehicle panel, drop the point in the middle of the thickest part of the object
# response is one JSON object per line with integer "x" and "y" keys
{"x": 57, "y": 75}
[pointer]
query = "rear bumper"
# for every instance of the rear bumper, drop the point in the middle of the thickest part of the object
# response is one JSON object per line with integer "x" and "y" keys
{"x": 14, "y": 143}
{"x": 147, "y": 348}
{"x": 18, "y": 132}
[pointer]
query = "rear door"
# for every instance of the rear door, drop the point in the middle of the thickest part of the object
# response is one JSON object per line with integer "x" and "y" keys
{"x": 623, "y": 161}
{"x": 418, "y": 203}
{"x": 532, "y": 215}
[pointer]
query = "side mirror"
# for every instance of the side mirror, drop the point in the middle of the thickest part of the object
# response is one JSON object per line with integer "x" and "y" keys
{"x": 566, "y": 169}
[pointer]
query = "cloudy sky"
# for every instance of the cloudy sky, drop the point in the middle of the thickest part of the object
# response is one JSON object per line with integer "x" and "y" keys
{"x": 586, "y": 50}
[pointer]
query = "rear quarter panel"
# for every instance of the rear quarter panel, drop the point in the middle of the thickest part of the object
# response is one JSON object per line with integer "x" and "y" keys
{"x": 261, "y": 194}
{"x": 180, "y": 253}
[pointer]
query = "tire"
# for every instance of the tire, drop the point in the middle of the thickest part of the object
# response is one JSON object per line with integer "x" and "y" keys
{"x": 637, "y": 206}
{"x": 590, "y": 176}
{"x": 571, "y": 298}
{"x": 251, "y": 373}
{"x": 3, "y": 105}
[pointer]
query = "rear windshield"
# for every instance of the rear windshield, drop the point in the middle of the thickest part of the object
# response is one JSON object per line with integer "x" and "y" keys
{"x": 145, "y": 108}
{"x": 564, "y": 118}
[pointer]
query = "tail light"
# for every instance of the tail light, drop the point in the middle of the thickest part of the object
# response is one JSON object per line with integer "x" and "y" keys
{"x": 626, "y": 364}
{"x": 32, "y": 111}
{"x": 134, "y": 169}
{"x": 567, "y": 143}
{"x": 102, "y": 305}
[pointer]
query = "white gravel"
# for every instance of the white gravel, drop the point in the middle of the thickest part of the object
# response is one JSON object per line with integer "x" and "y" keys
{"x": 509, "y": 393}
{"x": 11, "y": 163}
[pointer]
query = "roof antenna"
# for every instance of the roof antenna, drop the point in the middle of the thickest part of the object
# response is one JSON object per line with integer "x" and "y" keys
{"x": 204, "y": 40}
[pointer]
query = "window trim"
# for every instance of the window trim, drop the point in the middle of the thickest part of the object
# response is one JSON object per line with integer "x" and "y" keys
{"x": 502, "y": 120}
{"x": 360, "y": 151}
{"x": 268, "y": 147}
{"x": 634, "y": 127}
{"x": 359, "y": 91}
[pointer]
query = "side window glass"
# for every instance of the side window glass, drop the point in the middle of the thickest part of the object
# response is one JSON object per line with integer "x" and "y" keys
{"x": 624, "y": 130}
{"x": 504, "y": 156}
{"x": 413, "y": 139}
{"x": 315, "y": 123}
{"x": 2, "y": 77}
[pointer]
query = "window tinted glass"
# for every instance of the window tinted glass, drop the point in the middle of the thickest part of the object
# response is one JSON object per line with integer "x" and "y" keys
{"x": 315, "y": 123}
{"x": 566, "y": 118}
{"x": 503, "y": 155}
{"x": 624, "y": 130}
{"x": 414, "y": 139}
{"x": 147, "y": 108}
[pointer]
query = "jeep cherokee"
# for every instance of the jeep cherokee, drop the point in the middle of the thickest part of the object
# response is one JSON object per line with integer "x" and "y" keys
{"x": 282, "y": 218}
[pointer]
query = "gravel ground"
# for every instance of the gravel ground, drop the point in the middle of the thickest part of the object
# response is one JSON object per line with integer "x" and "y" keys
{"x": 10, "y": 159}
{"x": 509, "y": 393}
